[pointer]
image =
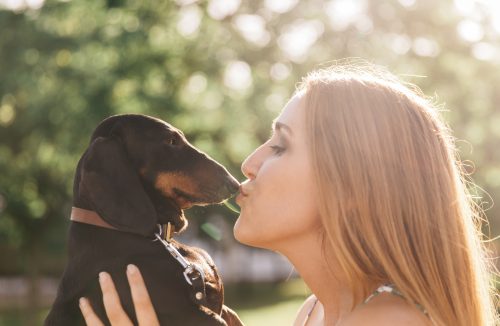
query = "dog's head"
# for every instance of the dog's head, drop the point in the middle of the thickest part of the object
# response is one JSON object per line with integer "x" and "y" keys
{"x": 140, "y": 171}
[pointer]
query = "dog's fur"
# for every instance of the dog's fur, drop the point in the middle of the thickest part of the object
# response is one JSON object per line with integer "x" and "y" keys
{"x": 139, "y": 172}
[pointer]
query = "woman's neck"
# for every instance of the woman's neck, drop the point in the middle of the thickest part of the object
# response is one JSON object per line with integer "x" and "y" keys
{"x": 305, "y": 253}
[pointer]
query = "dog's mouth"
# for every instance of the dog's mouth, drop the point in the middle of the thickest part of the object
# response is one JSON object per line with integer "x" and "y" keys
{"x": 185, "y": 200}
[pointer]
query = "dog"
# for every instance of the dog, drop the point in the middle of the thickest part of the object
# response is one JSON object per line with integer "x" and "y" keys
{"x": 139, "y": 173}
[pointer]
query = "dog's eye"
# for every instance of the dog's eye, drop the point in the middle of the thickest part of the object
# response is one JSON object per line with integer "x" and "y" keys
{"x": 174, "y": 140}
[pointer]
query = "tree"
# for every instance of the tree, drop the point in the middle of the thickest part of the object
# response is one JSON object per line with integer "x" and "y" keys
{"x": 220, "y": 71}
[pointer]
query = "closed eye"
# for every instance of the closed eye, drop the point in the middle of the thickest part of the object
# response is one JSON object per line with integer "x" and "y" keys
{"x": 277, "y": 149}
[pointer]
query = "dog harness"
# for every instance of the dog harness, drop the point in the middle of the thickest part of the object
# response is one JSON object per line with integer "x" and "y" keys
{"x": 193, "y": 274}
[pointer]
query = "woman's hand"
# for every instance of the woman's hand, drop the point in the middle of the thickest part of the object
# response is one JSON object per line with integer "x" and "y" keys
{"x": 117, "y": 316}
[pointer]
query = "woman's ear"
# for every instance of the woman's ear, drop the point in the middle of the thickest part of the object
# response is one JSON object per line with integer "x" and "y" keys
{"x": 114, "y": 188}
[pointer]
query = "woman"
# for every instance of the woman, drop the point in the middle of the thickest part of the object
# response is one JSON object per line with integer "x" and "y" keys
{"x": 359, "y": 187}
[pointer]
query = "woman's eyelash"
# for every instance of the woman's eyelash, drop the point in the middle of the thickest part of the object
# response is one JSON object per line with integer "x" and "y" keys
{"x": 277, "y": 149}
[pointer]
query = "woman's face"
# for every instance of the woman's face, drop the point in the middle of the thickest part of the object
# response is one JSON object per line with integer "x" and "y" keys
{"x": 278, "y": 201}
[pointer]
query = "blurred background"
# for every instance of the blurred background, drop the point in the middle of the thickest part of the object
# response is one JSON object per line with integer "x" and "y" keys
{"x": 220, "y": 70}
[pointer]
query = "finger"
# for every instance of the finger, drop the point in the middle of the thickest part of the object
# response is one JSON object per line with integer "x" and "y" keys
{"x": 144, "y": 309}
{"x": 89, "y": 315}
{"x": 111, "y": 300}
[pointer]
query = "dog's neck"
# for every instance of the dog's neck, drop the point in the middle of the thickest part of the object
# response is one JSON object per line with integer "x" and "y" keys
{"x": 89, "y": 217}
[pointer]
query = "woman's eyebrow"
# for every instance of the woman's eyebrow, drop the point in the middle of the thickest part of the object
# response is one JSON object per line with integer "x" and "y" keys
{"x": 278, "y": 126}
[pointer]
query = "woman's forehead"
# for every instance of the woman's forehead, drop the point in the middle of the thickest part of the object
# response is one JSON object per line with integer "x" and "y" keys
{"x": 292, "y": 114}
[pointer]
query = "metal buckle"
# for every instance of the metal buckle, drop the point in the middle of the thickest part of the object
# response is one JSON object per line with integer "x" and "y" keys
{"x": 189, "y": 270}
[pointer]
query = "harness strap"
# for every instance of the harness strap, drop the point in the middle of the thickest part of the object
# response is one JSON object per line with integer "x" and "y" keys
{"x": 198, "y": 292}
{"x": 193, "y": 274}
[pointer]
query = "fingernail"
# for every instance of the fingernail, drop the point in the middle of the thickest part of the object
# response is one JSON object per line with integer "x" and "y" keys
{"x": 132, "y": 269}
{"x": 103, "y": 277}
{"x": 82, "y": 302}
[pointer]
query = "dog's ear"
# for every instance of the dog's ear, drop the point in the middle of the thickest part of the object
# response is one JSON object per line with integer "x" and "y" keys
{"x": 114, "y": 187}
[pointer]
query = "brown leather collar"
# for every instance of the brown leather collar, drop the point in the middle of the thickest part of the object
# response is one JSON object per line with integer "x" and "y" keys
{"x": 89, "y": 217}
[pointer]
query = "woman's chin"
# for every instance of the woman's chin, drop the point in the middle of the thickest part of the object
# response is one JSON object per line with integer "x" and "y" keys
{"x": 237, "y": 231}
{"x": 249, "y": 237}
{"x": 243, "y": 233}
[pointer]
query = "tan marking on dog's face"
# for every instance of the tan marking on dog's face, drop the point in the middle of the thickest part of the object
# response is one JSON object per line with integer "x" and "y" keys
{"x": 167, "y": 181}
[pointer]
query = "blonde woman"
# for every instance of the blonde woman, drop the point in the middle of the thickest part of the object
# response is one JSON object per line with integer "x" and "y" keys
{"x": 360, "y": 188}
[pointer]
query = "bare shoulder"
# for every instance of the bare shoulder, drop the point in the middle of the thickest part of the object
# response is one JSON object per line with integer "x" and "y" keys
{"x": 304, "y": 310}
{"x": 386, "y": 310}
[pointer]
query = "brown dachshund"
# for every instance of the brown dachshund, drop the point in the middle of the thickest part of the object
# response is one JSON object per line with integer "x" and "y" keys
{"x": 137, "y": 175}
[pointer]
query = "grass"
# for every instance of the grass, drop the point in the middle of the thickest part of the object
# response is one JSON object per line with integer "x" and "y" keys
{"x": 282, "y": 313}
{"x": 22, "y": 317}
{"x": 267, "y": 303}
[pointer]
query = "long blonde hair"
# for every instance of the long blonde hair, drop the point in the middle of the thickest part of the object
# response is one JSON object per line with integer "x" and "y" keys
{"x": 393, "y": 199}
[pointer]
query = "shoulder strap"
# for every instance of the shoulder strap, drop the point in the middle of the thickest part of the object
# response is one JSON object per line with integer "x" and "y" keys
{"x": 389, "y": 288}
{"x": 392, "y": 289}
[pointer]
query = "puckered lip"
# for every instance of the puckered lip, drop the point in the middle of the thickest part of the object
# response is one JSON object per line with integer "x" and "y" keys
{"x": 243, "y": 191}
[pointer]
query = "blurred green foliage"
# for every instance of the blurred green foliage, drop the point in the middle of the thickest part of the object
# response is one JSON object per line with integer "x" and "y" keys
{"x": 220, "y": 71}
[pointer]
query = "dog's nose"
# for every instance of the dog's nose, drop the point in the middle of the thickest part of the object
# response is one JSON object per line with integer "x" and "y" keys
{"x": 232, "y": 185}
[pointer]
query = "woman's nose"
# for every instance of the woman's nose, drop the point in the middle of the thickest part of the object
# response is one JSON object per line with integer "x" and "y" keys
{"x": 247, "y": 168}
{"x": 251, "y": 165}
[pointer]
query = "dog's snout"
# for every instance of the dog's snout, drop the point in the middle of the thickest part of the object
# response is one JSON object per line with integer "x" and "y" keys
{"x": 232, "y": 185}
